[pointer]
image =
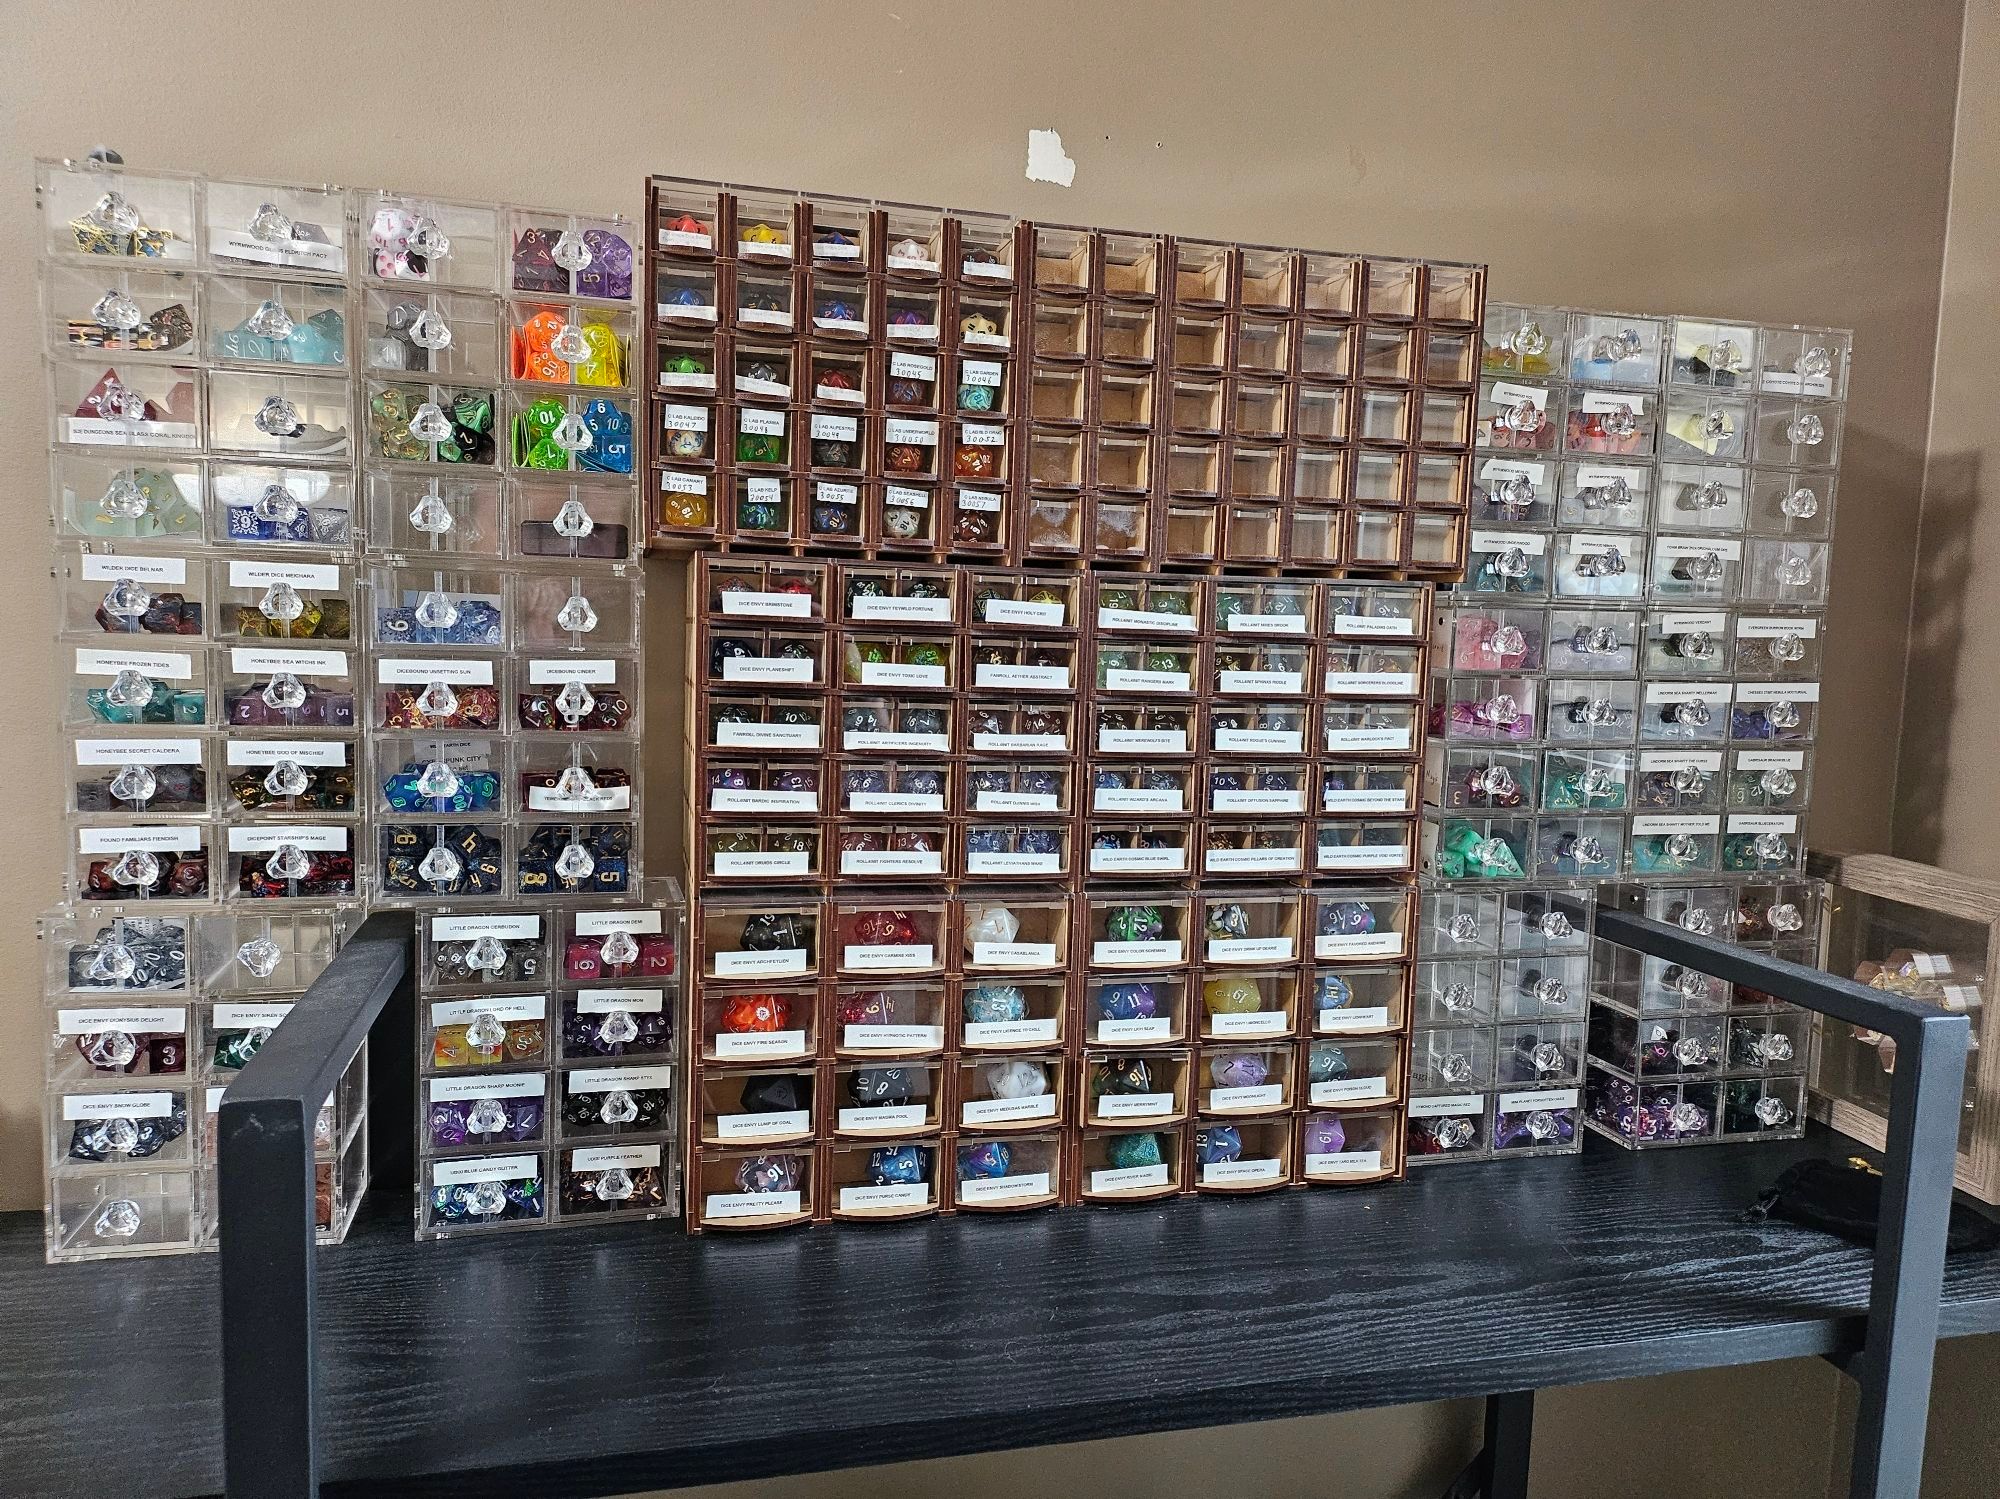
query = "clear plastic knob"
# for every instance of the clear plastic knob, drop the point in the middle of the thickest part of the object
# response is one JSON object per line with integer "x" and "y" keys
{"x": 569, "y": 345}
{"x": 129, "y": 689}
{"x": 1686, "y": 1118}
{"x": 1788, "y": 648}
{"x": 1455, "y": 1068}
{"x": 1528, "y": 339}
{"x": 120, "y": 403}
{"x": 1771, "y": 848}
{"x": 281, "y": 601}
{"x": 436, "y": 610}
{"x": 1523, "y": 416}
{"x": 121, "y": 1134}
{"x": 1784, "y": 916}
{"x": 486, "y": 1199}
{"x": 1452, "y": 1134}
{"x": 278, "y": 417}
{"x": 614, "y": 1185}
{"x": 431, "y": 515}
{"x": 1555, "y": 926}
{"x": 1504, "y": 640}
{"x": 135, "y": 867}
{"x": 1805, "y": 430}
{"x": 1457, "y": 998}
{"x": 1725, "y": 355}
{"x": 486, "y": 955}
{"x": 1771, "y": 1112}
{"x": 571, "y": 251}
{"x": 271, "y": 321}
{"x": 1781, "y": 715}
{"x": 119, "y": 1218}
{"x": 123, "y": 499}
{"x": 1597, "y": 711}
{"x": 276, "y": 504}
{"x": 117, "y": 311}
{"x": 1680, "y": 848}
{"x": 1612, "y": 347}
{"x": 1499, "y": 709}
{"x": 287, "y": 778}
{"x": 488, "y": 1032}
{"x": 1795, "y": 572}
{"x": 1717, "y": 425}
{"x": 1691, "y": 715}
{"x": 576, "y": 615}
{"x": 1619, "y": 421}
{"x": 126, "y": 599}
{"x": 437, "y": 781}
{"x": 430, "y": 424}
{"x": 1801, "y": 504}
{"x": 618, "y": 1028}
{"x": 486, "y": 1117}
{"x": 1815, "y": 362}
{"x": 1697, "y": 921}
{"x": 1495, "y": 781}
{"x": 115, "y": 212}
{"x": 1596, "y": 783}
{"x": 1775, "y": 1047}
{"x": 284, "y": 692}
{"x": 575, "y": 862}
{"x": 437, "y": 700}
{"x": 260, "y": 957}
{"x": 1690, "y": 1051}
{"x": 574, "y": 702}
{"x": 1463, "y": 928}
{"x": 1513, "y": 494}
{"x": 1613, "y": 491}
{"x": 575, "y": 785}
{"x": 1491, "y": 852}
{"x": 619, "y": 950}
{"x": 573, "y": 521}
{"x": 1692, "y": 986}
{"x": 288, "y": 862}
{"x": 427, "y": 330}
{"x": 1587, "y": 850}
{"x": 1541, "y": 1124}
{"x": 440, "y": 867}
{"x": 619, "y": 1107}
{"x": 1601, "y": 641}
{"x": 270, "y": 225}
{"x": 1696, "y": 645}
{"x": 427, "y": 240}
{"x": 113, "y": 963}
{"x": 110, "y": 1049}
{"x": 1552, "y": 992}
{"x": 571, "y": 435}
{"x": 1512, "y": 563}
{"x": 1710, "y": 495}
{"x": 1547, "y": 1059}
{"x": 1605, "y": 564}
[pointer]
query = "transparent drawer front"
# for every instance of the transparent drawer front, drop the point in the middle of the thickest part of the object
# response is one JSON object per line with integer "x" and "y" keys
{"x": 117, "y": 1213}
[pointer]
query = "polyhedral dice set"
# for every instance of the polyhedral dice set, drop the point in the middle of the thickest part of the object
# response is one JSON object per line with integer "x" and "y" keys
{"x": 889, "y": 380}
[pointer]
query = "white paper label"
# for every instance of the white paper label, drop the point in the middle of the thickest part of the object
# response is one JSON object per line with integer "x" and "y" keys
{"x": 724, "y": 800}
{"x": 1665, "y": 825}
{"x": 143, "y": 752}
{"x": 1334, "y": 800}
{"x": 1138, "y": 799}
{"x": 1358, "y": 945}
{"x": 766, "y": 865}
{"x": 1150, "y": 1028}
{"x": 900, "y": 674}
{"x": 614, "y": 1079}
{"x": 762, "y": 1044}
{"x": 1359, "y": 1018}
{"x": 1371, "y": 684}
{"x": 1272, "y": 741}
{"x": 1445, "y": 1104}
{"x": 767, "y": 735}
{"x": 923, "y": 611}
{"x": 1239, "y": 1173}
{"x": 466, "y": 671}
{"x": 1016, "y": 801}
{"x": 604, "y": 923}
{"x": 106, "y": 432}
{"x": 1364, "y": 855}
{"x": 1002, "y": 1110}
{"x": 679, "y": 481}
{"x": 984, "y": 863}
{"x": 689, "y": 312}
{"x": 1027, "y": 678}
{"x": 305, "y": 254}
{"x": 892, "y": 1037}
{"x": 766, "y": 669}
{"x": 77, "y": 1106}
{"x": 1507, "y": 394}
{"x": 1777, "y": 692}
{"x": 1250, "y": 858}
{"x": 1684, "y": 692}
{"x": 979, "y": 499}
{"x": 773, "y": 964}
{"x": 615, "y": 1158}
{"x": 1004, "y": 1188}
{"x": 705, "y": 380}
{"x": 1345, "y": 1163}
{"x": 1349, "y": 1090}
{"x": 830, "y": 427}
{"x": 1673, "y": 547}
{"x": 760, "y": 421}
{"x": 631, "y": 1001}
{"x": 721, "y": 1207}
{"x": 1747, "y": 822}
{"x": 901, "y": 496}
{"x": 1257, "y": 801}
{"x": 486, "y": 1168}
{"x": 595, "y": 673}
{"x": 1528, "y": 543}
{"x": 980, "y": 435}
{"x": 1250, "y": 950}
{"x": 1128, "y": 1179}
{"x": 499, "y": 1006}
{"x": 1120, "y": 679}
{"x": 891, "y": 861}
{"x": 117, "y": 840}
{"x": 907, "y": 366}
{"x": 677, "y": 418}
{"x": 470, "y": 928}
{"x": 1010, "y": 1032}
{"x": 902, "y": 430}
{"x": 827, "y": 492}
{"x": 164, "y": 666}
{"x": 1603, "y": 402}
{"x": 1134, "y": 1106}
{"x": 512, "y": 1085}
{"x": 262, "y": 574}
{"x": 1707, "y": 761}
{"x": 1143, "y": 741}
{"x": 268, "y": 840}
{"x": 1020, "y": 612}
{"x": 889, "y": 955}
{"x": 923, "y": 743}
{"x": 774, "y": 1126}
{"x": 1776, "y": 629}
{"x": 883, "y": 1120}
{"x": 1144, "y": 620}
{"x": 298, "y": 751}
{"x": 891, "y": 1196}
{"x": 895, "y": 801}
{"x": 1257, "y": 1023}
{"x": 1136, "y": 954}
{"x": 162, "y": 1021}
{"x": 1543, "y": 1098}
{"x": 1369, "y": 739}
{"x": 1770, "y": 759}
{"x": 769, "y": 317}
{"x": 98, "y": 568}
{"x": 1261, "y": 683}
{"x": 1494, "y": 470}
{"x": 767, "y": 605}
{"x": 1138, "y": 861}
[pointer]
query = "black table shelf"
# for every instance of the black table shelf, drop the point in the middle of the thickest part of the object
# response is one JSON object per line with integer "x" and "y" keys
{"x": 556, "y": 1364}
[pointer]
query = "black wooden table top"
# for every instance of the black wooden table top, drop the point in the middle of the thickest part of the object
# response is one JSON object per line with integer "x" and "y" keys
{"x": 601, "y": 1362}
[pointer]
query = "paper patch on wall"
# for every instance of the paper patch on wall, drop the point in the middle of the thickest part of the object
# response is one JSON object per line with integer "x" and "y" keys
{"x": 1047, "y": 161}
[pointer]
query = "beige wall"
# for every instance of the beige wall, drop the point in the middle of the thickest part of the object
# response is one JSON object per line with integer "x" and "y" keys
{"x": 1780, "y": 160}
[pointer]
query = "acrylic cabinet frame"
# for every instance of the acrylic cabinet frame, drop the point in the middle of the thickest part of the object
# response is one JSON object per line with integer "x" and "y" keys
{"x": 1930, "y": 934}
